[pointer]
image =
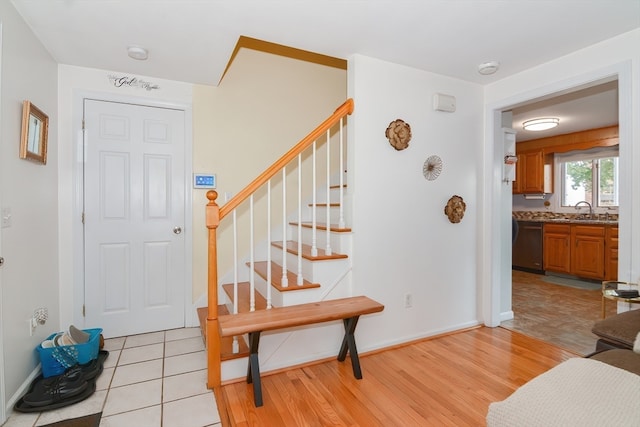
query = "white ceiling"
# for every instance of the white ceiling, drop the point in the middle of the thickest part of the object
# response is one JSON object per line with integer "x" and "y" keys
{"x": 192, "y": 40}
{"x": 588, "y": 108}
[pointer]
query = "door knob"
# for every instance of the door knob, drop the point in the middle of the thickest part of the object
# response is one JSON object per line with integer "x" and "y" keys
{"x": 1, "y": 261}
{"x": 177, "y": 230}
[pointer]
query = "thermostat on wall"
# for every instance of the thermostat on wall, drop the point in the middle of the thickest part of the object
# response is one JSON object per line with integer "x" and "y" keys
{"x": 204, "y": 180}
{"x": 442, "y": 102}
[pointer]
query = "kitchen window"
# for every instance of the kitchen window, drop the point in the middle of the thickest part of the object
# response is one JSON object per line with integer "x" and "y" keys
{"x": 590, "y": 175}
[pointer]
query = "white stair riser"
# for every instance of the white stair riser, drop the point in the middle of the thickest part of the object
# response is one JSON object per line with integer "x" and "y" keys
{"x": 313, "y": 271}
{"x": 340, "y": 242}
{"x": 321, "y": 214}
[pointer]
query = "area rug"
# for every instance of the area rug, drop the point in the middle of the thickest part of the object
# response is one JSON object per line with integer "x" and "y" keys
{"x": 87, "y": 421}
{"x": 573, "y": 283}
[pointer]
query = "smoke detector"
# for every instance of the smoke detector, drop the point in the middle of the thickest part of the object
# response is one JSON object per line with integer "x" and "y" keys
{"x": 488, "y": 68}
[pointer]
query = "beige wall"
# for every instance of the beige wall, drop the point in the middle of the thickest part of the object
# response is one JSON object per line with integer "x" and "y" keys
{"x": 264, "y": 105}
{"x": 29, "y": 277}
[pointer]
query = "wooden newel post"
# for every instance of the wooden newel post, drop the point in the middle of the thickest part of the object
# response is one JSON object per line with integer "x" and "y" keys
{"x": 214, "y": 375}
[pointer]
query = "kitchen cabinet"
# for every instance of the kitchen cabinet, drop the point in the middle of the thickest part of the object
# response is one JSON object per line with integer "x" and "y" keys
{"x": 584, "y": 250}
{"x": 611, "y": 252}
{"x": 587, "y": 251}
{"x": 557, "y": 255}
{"x": 527, "y": 249}
{"x": 517, "y": 183}
{"x": 530, "y": 174}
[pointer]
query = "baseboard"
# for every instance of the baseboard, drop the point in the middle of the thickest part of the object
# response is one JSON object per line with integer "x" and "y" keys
{"x": 22, "y": 390}
{"x": 507, "y": 315}
{"x": 192, "y": 319}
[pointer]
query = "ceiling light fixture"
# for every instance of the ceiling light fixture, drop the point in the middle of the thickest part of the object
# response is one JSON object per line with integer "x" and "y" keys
{"x": 541, "y": 123}
{"x": 488, "y": 68}
{"x": 137, "y": 52}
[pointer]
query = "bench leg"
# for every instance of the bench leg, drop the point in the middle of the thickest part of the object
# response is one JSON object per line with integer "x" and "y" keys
{"x": 253, "y": 370}
{"x": 349, "y": 343}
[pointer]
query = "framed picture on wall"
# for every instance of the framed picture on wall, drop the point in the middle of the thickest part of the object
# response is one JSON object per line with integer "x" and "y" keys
{"x": 35, "y": 126}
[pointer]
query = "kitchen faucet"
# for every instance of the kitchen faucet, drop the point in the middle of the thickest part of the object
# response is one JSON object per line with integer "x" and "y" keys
{"x": 588, "y": 204}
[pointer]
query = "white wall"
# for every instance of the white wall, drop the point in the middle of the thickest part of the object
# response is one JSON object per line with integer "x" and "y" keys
{"x": 30, "y": 190}
{"x": 73, "y": 83}
{"x": 403, "y": 241}
{"x": 617, "y": 56}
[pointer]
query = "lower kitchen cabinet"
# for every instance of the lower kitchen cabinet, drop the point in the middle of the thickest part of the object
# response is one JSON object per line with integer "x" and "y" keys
{"x": 587, "y": 251}
{"x": 557, "y": 255}
{"x": 611, "y": 253}
{"x": 584, "y": 250}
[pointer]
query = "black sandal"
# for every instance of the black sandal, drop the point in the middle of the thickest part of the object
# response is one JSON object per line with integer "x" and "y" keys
{"x": 75, "y": 385}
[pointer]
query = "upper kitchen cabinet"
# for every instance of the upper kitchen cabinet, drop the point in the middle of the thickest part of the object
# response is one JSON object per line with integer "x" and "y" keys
{"x": 532, "y": 176}
{"x": 534, "y": 169}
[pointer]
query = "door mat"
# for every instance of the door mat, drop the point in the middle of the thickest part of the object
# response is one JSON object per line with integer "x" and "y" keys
{"x": 92, "y": 420}
{"x": 573, "y": 283}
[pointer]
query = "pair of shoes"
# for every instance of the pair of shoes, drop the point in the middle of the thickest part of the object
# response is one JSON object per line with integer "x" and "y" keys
{"x": 71, "y": 337}
{"x": 74, "y": 385}
{"x": 53, "y": 390}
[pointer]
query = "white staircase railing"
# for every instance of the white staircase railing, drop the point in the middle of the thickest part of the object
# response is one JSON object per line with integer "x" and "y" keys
{"x": 320, "y": 138}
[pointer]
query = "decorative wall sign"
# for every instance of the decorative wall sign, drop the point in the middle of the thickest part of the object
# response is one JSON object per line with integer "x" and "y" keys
{"x": 455, "y": 209}
{"x": 129, "y": 81}
{"x": 399, "y": 134}
{"x": 432, "y": 167}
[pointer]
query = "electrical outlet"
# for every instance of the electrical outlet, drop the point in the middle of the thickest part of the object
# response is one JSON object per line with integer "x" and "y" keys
{"x": 408, "y": 300}
{"x": 32, "y": 326}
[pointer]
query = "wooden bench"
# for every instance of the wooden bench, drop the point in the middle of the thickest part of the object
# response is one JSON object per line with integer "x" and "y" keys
{"x": 253, "y": 323}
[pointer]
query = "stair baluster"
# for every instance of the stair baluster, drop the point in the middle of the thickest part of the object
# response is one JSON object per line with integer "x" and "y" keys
{"x": 285, "y": 279}
{"x": 299, "y": 228}
{"x": 314, "y": 241}
{"x": 269, "y": 244}
{"x": 252, "y": 260}
{"x": 327, "y": 249}
{"x": 341, "y": 222}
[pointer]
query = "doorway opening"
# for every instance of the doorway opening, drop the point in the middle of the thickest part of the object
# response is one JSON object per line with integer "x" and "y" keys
{"x": 555, "y": 312}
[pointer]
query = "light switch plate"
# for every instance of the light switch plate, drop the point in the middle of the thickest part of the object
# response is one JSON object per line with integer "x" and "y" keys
{"x": 6, "y": 217}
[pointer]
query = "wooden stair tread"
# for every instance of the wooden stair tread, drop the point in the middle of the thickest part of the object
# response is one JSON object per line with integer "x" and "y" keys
{"x": 323, "y": 226}
{"x": 276, "y": 277}
{"x": 324, "y": 205}
{"x": 226, "y": 343}
{"x": 244, "y": 289}
{"x": 292, "y": 248}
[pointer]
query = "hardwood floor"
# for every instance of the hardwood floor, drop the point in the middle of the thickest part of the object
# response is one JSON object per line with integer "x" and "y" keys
{"x": 557, "y": 314}
{"x": 444, "y": 381}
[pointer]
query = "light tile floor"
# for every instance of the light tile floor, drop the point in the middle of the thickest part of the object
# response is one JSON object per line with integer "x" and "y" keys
{"x": 149, "y": 380}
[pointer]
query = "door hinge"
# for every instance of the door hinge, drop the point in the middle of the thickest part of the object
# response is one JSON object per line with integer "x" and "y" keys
{"x": 82, "y": 124}
{"x": 83, "y": 311}
{"x": 82, "y": 217}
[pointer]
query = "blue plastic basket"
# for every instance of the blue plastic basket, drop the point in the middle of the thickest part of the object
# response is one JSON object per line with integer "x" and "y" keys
{"x": 56, "y": 360}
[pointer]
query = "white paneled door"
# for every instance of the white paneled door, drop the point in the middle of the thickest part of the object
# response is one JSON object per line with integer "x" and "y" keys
{"x": 134, "y": 211}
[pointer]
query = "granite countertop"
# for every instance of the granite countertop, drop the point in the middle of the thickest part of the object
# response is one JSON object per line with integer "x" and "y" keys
{"x": 535, "y": 216}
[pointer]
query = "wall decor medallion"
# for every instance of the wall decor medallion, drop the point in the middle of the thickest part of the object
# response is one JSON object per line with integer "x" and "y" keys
{"x": 399, "y": 134}
{"x": 432, "y": 167}
{"x": 455, "y": 208}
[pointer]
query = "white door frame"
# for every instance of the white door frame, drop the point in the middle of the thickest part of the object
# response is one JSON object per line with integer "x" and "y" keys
{"x": 78, "y": 194}
{"x": 2, "y": 389}
{"x": 494, "y": 237}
